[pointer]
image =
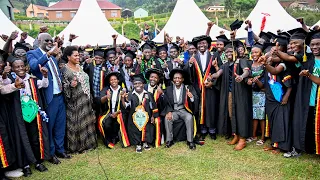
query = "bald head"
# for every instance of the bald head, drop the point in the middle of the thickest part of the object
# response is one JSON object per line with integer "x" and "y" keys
{"x": 45, "y": 41}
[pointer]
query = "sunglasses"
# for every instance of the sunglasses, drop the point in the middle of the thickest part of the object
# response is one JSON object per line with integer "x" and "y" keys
{"x": 47, "y": 40}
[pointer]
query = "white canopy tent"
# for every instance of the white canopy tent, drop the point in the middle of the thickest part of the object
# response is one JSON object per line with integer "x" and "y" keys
{"x": 276, "y": 18}
{"x": 91, "y": 25}
{"x": 8, "y": 27}
{"x": 187, "y": 21}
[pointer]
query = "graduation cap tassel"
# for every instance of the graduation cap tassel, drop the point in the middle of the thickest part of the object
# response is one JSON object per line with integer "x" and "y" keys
{"x": 304, "y": 52}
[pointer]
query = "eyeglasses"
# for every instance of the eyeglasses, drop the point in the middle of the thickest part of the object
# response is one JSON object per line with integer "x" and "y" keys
{"x": 47, "y": 40}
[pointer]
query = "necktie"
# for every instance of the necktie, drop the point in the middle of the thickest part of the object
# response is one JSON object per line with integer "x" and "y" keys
{"x": 55, "y": 73}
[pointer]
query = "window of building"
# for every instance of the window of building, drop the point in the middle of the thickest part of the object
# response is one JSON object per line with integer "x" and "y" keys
{"x": 58, "y": 14}
{"x": 114, "y": 13}
{"x": 31, "y": 13}
{"x": 40, "y": 15}
{"x": 73, "y": 13}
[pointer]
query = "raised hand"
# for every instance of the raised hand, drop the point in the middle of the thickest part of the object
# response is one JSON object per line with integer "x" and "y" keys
{"x": 74, "y": 82}
{"x": 24, "y": 35}
{"x": 189, "y": 94}
{"x": 14, "y": 35}
{"x": 159, "y": 89}
{"x": 55, "y": 50}
{"x": 114, "y": 37}
{"x": 89, "y": 60}
{"x": 44, "y": 71}
{"x": 210, "y": 24}
{"x": 6, "y": 71}
{"x": 18, "y": 83}
{"x": 72, "y": 37}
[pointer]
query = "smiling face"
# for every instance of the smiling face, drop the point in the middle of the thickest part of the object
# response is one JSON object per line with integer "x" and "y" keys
{"x": 147, "y": 54}
{"x": 202, "y": 46}
{"x": 315, "y": 47}
{"x": 138, "y": 86}
{"x": 154, "y": 79}
{"x": 114, "y": 81}
{"x": 191, "y": 49}
{"x": 19, "y": 68}
{"x": 21, "y": 54}
{"x": 173, "y": 53}
{"x": 241, "y": 51}
{"x": 178, "y": 79}
{"x": 256, "y": 53}
{"x": 296, "y": 45}
{"x": 74, "y": 58}
{"x": 45, "y": 42}
{"x": 163, "y": 55}
{"x": 229, "y": 54}
{"x": 220, "y": 46}
{"x": 128, "y": 62}
{"x": 98, "y": 59}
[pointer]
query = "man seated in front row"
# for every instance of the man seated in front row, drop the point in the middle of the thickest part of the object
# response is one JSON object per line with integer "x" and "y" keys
{"x": 182, "y": 100}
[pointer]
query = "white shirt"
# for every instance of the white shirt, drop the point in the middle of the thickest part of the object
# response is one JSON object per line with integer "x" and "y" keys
{"x": 203, "y": 60}
{"x": 150, "y": 88}
{"x": 114, "y": 99}
{"x": 178, "y": 92}
{"x": 44, "y": 83}
{"x": 140, "y": 96}
{"x": 56, "y": 89}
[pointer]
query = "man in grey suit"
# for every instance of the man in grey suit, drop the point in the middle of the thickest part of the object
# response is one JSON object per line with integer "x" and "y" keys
{"x": 182, "y": 100}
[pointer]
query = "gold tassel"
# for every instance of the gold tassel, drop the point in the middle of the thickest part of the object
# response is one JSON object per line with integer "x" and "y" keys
{"x": 164, "y": 86}
{"x": 304, "y": 52}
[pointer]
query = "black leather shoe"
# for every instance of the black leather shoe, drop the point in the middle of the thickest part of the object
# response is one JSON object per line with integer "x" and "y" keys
{"x": 54, "y": 160}
{"x": 63, "y": 155}
{"x": 213, "y": 136}
{"x": 192, "y": 145}
{"x": 41, "y": 168}
{"x": 169, "y": 144}
{"x": 27, "y": 172}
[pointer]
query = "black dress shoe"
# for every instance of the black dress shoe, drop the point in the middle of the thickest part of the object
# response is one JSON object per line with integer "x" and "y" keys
{"x": 41, "y": 168}
{"x": 213, "y": 136}
{"x": 27, "y": 172}
{"x": 54, "y": 160}
{"x": 169, "y": 144}
{"x": 192, "y": 145}
{"x": 63, "y": 155}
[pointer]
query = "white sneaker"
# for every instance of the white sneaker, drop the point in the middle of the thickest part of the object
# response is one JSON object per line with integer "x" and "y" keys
{"x": 146, "y": 146}
{"x": 14, "y": 174}
{"x": 138, "y": 149}
{"x": 293, "y": 153}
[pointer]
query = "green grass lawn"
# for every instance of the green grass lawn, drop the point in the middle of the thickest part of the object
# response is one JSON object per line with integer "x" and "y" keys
{"x": 214, "y": 160}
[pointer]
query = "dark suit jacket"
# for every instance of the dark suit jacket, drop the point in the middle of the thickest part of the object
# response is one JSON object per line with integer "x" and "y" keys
{"x": 36, "y": 58}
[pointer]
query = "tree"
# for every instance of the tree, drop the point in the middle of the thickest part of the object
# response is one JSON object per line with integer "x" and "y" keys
{"x": 228, "y": 4}
{"x": 244, "y": 5}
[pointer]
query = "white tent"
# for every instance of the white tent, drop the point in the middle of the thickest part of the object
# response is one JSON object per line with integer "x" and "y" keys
{"x": 276, "y": 18}
{"x": 7, "y": 27}
{"x": 91, "y": 25}
{"x": 187, "y": 21}
{"x": 1, "y": 43}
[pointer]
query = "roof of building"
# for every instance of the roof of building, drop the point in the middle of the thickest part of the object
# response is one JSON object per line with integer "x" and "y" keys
{"x": 75, "y": 4}
{"x": 41, "y": 7}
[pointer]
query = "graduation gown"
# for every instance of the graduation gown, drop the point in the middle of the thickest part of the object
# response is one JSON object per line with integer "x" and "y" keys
{"x": 179, "y": 127}
{"x": 161, "y": 101}
{"x": 301, "y": 113}
{"x": 8, "y": 152}
{"x": 37, "y": 131}
{"x": 152, "y": 63}
{"x": 108, "y": 126}
{"x": 241, "y": 121}
{"x": 136, "y": 137}
{"x": 279, "y": 121}
{"x": 209, "y": 97}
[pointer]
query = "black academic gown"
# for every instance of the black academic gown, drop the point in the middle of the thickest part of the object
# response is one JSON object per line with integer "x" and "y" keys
{"x": 211, "y": 97}
{"x": 6, "y": 136}
{"x": 110, "y": 127}
{"x": 301, "y": 112}
{"x": 135, "y": 136}
{"x": 89, "y": 69}
{"x": 37, "y": 131}
{"x": 279, "y": 115}
{"x": 241, "y": 122}
{"x": 179, "y": 127}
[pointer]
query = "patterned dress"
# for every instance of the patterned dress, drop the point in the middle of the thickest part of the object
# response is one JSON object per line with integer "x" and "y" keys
{"x": 258, "y": 96}
{"x": 80, "y": 129}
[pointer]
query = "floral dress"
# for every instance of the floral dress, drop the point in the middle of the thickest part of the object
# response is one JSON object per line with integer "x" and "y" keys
{"x": 258, "y": 96}
{"x": 80, "y": 129}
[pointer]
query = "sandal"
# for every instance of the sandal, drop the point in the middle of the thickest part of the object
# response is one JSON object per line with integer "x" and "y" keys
{"x": 250, "y": 139}
{"x": 260, "y": 142}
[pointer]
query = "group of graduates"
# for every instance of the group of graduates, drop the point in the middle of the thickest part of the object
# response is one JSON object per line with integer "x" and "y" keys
{"x": 54, "y": 98}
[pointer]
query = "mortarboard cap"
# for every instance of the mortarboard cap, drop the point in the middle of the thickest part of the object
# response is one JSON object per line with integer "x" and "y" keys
{"x": 130, "y": 54}
{"x": 138, "y": 77}
{"x": 145, "y": 46}
{"x": 312, "y": 35}
{"x": 282, "y": 40}
{"x": 222, "y": 38}
{"x": 97, "y": 52}
{"x": 153, "y": 70}
{"x": 110, "y": 51}
{"x": 163, "y": 47}
{"x": 265, "y": 36}
{"x": 197, "y": 39}
{"x": 175, "y": 46}
{"x": 236, "y": 25}
{"x": 184, "y": 73}
{"x": 298, "y": 33}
